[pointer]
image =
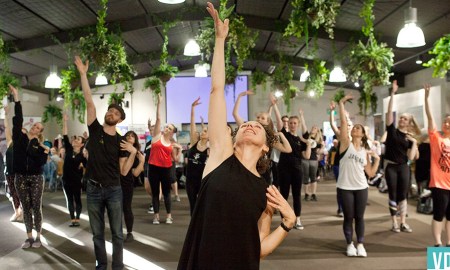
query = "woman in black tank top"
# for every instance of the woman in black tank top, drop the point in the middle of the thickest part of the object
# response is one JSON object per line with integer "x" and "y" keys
{"x": 231, "y": 221}
{"x": 197, "y": 155}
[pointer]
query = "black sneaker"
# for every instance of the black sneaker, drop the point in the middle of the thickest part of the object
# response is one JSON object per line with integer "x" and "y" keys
{"x": 130, "y": 238}
{"x": 314, "y": 198}
{"x": 307, "y": 197}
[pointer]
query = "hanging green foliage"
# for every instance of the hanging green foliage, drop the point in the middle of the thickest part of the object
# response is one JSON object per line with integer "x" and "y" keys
{"x": 441, "y": 61}
{"x": 165, "y": 71}
{"x": 116, "y": 98}
{"x": 106, "y": 52}
{"x": 259, "y": 78}
{"x": 367, "y": 100}
{"x": 289, "y": 94}
{"x": 52, "y": 111}
{"x": 315, "y": 13}
{"x": 5, "y": 80}
{"x": 370, "y": 62}
{"x": 241, "y": 39}
{"x": 72, "y": 94}
{"x": 318, "y": 75}
{"x": 339, "y": 95}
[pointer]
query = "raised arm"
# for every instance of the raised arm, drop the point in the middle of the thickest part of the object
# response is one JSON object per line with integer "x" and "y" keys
{"x": 8, "y": 134}
{"x": 371, "y": 168}
{"x": 390, "y": 114}
{"x": 431, "y": 123}
{"x": 127, "y": 162}
{"x": 64, "y": 129}
{"x": 283, "y": 145}
{"x": 193, "y": 130}
{"x": 237, "y": 117}
{"x": 83, "y": 69}
{"x": 273, "y": 100}
{"x": 336, "y": 131}
{"x": 302, "y": 122}
{"x": 344, "y": 138}
{"x": 157, "y": 130}
{"x": 220, "y": 143}
{"x": 18, "y": 115}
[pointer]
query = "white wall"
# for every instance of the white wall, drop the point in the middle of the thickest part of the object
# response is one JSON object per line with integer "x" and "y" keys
{"x": 142, "y": 105}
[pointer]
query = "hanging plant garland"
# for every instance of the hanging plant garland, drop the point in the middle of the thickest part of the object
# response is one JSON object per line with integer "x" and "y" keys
{"x": 371, "y": 62}
{"x": 116, "y": 98}
{"x": 73, "y": 96}
{"x": 107, "y": 53}
{"x": 6, "y": 78}
{"x": 318, "y": 75}
{"x": 241, "y": 39}
{"x": 259, "y": 78}
{"x": 441, "y": 61}
{"x": 165, "y": 71}
{"x": 52, "y": 111}
{"x": 315, "y": 13}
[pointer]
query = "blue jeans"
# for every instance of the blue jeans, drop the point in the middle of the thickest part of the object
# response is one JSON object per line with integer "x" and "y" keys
{"x": 97, "y": 200}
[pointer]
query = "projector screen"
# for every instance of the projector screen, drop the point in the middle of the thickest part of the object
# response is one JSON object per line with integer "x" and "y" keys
{"x": 182, "y": 91}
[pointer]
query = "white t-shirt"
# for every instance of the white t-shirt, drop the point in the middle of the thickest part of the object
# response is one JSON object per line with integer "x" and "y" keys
{"x": 351, "y": 169}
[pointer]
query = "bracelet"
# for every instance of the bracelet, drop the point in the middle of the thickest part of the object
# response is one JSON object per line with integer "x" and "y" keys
{"x": 285, "y": 227}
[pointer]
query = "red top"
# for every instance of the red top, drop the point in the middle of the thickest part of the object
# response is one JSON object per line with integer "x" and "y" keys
{"x": 161, "y": 155}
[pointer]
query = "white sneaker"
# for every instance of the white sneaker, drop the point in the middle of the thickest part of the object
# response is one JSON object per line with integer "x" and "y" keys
{"x": 155, "y": 221}
{"x": 360, "y": 250}
{"x": 351, "y": 250}
{"x": 169, "y": 220}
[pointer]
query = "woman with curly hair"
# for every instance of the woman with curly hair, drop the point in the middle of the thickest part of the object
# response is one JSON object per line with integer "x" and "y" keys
{"x": 230, "y": 225}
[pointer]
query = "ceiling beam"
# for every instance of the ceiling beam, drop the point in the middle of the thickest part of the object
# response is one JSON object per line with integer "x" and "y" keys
{"x": 153, "y": 21}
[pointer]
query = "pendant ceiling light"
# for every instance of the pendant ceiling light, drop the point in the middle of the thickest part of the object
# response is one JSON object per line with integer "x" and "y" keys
{"x": 410, "y": 35}
{"x": 191, "y": 48}
{"x": 337, "y": 75}
{"x": 53, "y": 80}
{"x": 304, "y": 76}
{"x": 201, "y": 70}
{"x": 171, "y": 2}
{"x": 101, "y": 79}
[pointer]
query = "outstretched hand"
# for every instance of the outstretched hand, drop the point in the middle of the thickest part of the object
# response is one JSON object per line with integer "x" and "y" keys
{"x": 394, "y": 86}
{"x": 332, "y": 106}
{"x": 276, "y": 200}
{"x": 246, "y": 93}
{"x": 82, "y": 67}
{"x": 427, "y": 88}
{"x": 220, "y": 27}
{"x": 196, "y": 102}
{"x": 346, "y": 98}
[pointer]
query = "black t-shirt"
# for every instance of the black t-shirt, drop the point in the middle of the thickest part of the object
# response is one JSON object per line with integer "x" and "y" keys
{"x": 128, "y": 180}
{"x": 396, "y": 145}
{"x": 72, "y": 173}
{"x": 296, "y": 155}
{"x": 103, "y": 162}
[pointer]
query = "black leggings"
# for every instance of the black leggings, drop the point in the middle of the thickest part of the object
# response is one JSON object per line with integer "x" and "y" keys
{"x": 354, "y": 205}
{"x": 73, "y": 194}
{"x": 291, "y": 175}
{"x": 127, "y": 199}
{"x": 441, "y": 204}
{"x": 397, "y": 178}
{"x": 193, "y": 185}
{"x": 30, "y": 189}
{"x": 12, "y": 190}
{"x": 159, "y": 175}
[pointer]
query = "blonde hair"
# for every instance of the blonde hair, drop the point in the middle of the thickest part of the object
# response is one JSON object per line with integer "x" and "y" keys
{"x": 413, "y": 126}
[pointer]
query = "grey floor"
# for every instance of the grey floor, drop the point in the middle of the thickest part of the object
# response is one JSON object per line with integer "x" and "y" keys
{"x": 320, "y": 245}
